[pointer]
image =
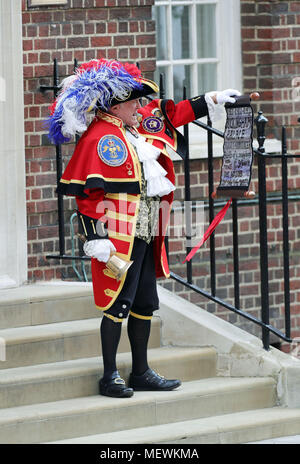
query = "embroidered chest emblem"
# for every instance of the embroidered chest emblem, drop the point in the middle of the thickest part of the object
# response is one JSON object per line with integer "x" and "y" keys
{"x": 157, "y": 113}
{"x": 112, "y": 150}
{"x": 153, "y": 124}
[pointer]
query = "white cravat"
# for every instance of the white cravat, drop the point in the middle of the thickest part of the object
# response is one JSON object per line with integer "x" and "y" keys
{"x": 155, "y": 174}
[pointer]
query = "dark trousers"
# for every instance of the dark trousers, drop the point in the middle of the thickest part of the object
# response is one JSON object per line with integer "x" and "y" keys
{"x": 139, "y": 292}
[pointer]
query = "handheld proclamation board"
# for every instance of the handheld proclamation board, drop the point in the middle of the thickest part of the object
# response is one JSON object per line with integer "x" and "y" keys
{"x": 237, "y": 160}
{"x": 237, "y": 149}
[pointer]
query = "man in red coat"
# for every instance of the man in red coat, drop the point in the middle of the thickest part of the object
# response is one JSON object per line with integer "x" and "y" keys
{"x": 123, "y": 179}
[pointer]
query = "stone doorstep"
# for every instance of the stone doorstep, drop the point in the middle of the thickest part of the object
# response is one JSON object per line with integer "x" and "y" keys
{"x": 240, "y": 427}
{"x": 46, "y": 303}
{"x": 61, "y": 341}
{"x": 42, "y": 291}
{"x": 97, "y": 414}
{"x": 79, "y": 378}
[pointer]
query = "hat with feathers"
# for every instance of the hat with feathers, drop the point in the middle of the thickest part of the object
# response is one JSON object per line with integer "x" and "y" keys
{"x": 95, "y": 84}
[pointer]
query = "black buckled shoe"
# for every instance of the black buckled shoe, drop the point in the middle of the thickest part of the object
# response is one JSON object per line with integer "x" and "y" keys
{"x": 114, "y": 386}
{"x": 151, "y": 381}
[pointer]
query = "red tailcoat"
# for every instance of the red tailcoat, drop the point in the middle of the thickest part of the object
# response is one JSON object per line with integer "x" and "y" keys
{"x": 104, "y": 174}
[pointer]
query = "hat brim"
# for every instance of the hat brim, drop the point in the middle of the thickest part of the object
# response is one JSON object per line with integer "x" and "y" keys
{"x": 148, "y": 87}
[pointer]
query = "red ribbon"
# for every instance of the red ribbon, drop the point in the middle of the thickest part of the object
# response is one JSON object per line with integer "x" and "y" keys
{"x": 217, "y": 219}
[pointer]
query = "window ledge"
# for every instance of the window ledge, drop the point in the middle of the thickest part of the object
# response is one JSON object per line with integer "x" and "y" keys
{"x": 36, "y": 3}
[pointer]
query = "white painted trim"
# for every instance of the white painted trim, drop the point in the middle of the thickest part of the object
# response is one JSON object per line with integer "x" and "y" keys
{"x": 228, "y": 59}
{"x": 13, "y": 229}
{"x": 35, "y": 3}
{"x": 229, "y": 45}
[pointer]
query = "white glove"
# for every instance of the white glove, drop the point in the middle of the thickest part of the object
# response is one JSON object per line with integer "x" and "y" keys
{"x": 100, "y": 249}
{"x": 226, "y": 96}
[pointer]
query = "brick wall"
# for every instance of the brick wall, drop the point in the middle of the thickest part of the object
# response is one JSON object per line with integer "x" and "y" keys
{"x": 85, "y": 29}
{"x": 271, "y": 62}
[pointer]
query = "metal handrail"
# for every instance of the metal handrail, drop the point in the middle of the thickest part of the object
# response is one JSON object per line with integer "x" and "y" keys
{"x": 262, "y": 201}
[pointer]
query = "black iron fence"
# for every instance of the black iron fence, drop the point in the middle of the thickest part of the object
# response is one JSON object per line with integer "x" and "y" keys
{"x": 261, "y": 201}
{"x": 264, "y": 320}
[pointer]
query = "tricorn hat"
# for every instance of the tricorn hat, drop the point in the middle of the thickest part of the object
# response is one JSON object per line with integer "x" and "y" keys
{"x": 95, "y": 84}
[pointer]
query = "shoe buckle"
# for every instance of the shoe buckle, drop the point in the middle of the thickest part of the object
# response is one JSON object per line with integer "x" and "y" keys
{"x": 119, "y": 381}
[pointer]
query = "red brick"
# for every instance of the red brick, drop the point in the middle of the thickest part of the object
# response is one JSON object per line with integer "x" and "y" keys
{"x": 89, "y": 28}
{"x": 294, "y": 6}
{"x": 281, "y": 32}
{"x": 67, "y": 29}
{"x": 48, "y": 205}
{"x": 49, "y": 274}
{"x": 123, "y": 40}
{"x": 75, "y": 15}
{"x": 141, "y": 13}
{"x": 112, "y": 54}
{"x": 41, "y": 17}
{"x": 248, "y": 33}
{"x": 37, "y": 274}
{"x": 112, "y": 27}
{"x": 265, "y": 33}
{"x": 145, "y": 39}
{"x": 249, "y": 58}
{"x": 296, "y": 57}
{"x": 292, "y": 44}
{"x": 78, "y": 42}
{"x": 47, "y": 232}
{"x": 119, "y": 13}
{"x": 257, "y": 45}
{"x": 36, "y": 194}
{"x": 46, "y": 179}
{"x": 43, "y": 31}
{"x": 104, "y": 41}
{"x": 98, "y": 15}
{"x": 44, "y": 70}
{"x": 44, "y": 44}
{"x": 27, "y": 45}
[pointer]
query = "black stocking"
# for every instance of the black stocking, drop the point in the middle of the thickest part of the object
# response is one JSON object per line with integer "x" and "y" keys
{"x": 138, "y": 334}
{"x": 110, "y": 336}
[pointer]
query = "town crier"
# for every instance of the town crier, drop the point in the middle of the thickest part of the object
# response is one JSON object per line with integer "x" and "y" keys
{"x": 123, "y": 179}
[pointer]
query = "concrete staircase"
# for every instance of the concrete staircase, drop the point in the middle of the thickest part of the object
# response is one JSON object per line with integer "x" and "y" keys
{"x": 49, "y": 382}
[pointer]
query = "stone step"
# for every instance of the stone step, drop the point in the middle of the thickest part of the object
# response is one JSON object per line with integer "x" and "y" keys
{"x": 239, "y": 427}
{"x": 47, "y": 343}
{"x": 46, "y": 303}
{"x": 79, "y": 378}
{"x": 46, "y": 422}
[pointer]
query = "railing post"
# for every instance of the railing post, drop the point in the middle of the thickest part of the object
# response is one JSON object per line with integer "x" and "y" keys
{"x": 187, "y": 197}
{"x": 60, "y": 208}
{"x": 60, "y": 200}
{"x": 235, "y": 238}
{"x": 211, "y": 207}
{"x": 285, "y": 233}
{"x": 261, "y": 121}
{"x": 162, "y": 95}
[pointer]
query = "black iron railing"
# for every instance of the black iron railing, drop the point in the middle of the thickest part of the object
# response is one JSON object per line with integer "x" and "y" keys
{"x": 261, "y": 201}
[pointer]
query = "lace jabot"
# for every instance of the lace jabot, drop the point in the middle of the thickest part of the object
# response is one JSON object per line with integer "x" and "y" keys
{"x": 155, "y": 174}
